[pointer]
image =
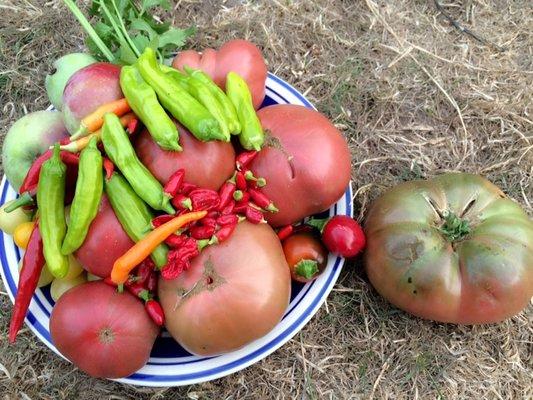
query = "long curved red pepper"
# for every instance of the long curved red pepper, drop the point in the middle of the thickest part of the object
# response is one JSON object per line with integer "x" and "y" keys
{"x": 32, "y": 265}
{"x": 155, "y": 311}
{"x": 245, "y": 158}
{"x": 109, "y": 168}
{"x": 262, "y": 201}
{"x": 240, "y": 181}
{"x": 174, "y": 183}
{"x": 226, "y": 194}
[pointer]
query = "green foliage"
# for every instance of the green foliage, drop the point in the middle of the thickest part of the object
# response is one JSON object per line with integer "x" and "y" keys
{"x": 122, "y": 29}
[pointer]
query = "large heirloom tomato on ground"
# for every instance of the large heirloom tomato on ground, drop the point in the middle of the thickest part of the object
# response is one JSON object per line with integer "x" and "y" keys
{"x": 234, "y": 293}
{"x": 452, "y": 249}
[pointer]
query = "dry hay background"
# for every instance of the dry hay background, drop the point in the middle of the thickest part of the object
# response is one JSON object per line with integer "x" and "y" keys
{"x": 415, "y": 97}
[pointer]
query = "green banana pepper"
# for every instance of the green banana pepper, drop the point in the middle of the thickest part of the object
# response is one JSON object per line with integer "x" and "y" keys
{"x": 252, "y": 136}
{"x": 133, "y": 214}
{"x": 84, "y": 208}
{"x": 185, "y": 108}
{"x": 201, "y": 92}
{"x": 119, "y": 149}
{"x": 143, "y": 101}
{"x": 229, "y": 110}
{"x": 51, "y": 202}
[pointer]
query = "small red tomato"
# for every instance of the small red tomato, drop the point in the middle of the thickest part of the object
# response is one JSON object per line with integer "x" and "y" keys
{"x": 343, "y": 235}
{"x": 306, "y": 256}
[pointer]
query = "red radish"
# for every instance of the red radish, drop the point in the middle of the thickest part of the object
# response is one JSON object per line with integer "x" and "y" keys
{"x": 104, "y": 333}
{"x": 341, "y": 235}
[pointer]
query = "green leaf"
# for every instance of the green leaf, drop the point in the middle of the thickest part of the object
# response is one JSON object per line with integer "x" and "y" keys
{"x": 105, "y": 32}
{"x": 127, "y": 56}
{"x": 306, "y": 268}
{"x": 141, "y": 42}
{"x": 140, "y": 24}
{"x": 148, "y": 4}
{"x": 175, "y": 37}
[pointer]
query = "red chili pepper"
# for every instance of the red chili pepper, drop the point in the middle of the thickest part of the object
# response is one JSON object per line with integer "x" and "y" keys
{"x": 187, "y": 188}
{"x": 70, "y": 158}
{"x": 241, "y": 196}
{"x": 262, "y": 201}
{"x": 254, "y": 215}
{"x": 109, "y": 281}
{"x": 202, "y": 232}
{"x": 226, "y": 194}
{"x": 161, "y": 219}
{"x": 151, "y": 283}
{"x": 245, "y": 158}
{"x": 204, "y": 199}
{"x": 32, "y": 265}
{"x": 175, "y": 240}
{"x": 285, "y": 232}
{"x": 342, "y": 235}
{"x": 174, "y": 183}
{"x": 174, "y": 268}
{"x": 229, "y": 219}
{"x": 132, "y": 126}
{"x": 182, "y": 202}
{"x": 210, "y": 215}
{"x": 154, "y": 310}
{"x": 32, "y": 176}
{"x": 240, "y": 207}
{"x": 222, "y": 234}
{"x": 210, "y": 222}
{"x": 144, "y": 270}
{"x": 138, "y": 290}
{"x": 109, "y": 168}
{"x": 229, "y": 208}
{"x": 240, "y": 181}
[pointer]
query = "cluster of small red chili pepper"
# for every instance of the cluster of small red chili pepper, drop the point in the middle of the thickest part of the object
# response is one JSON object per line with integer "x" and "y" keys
{"x": 239, "y": 198}
{"x": 143, "y": 284}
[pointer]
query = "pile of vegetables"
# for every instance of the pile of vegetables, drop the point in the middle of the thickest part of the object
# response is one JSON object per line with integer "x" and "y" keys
{"x": 186, "y": 208}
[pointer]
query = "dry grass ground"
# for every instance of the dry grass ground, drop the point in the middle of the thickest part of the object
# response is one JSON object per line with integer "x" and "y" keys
{"x": 415, "y": 97}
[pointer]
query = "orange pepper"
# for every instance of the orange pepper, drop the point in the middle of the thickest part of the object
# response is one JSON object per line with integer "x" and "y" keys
{"x": 143, "y": 248}
{"x": 78, "y": 145}
{"x": 95, "y": 120}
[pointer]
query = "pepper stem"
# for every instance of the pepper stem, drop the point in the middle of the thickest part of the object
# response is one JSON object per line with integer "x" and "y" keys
{"x": 306, "y": 268}
{"x": 25, "y": 199}
{"x": 454, "y": 228}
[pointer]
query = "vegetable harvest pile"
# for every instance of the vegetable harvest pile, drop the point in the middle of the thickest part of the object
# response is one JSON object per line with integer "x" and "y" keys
{"x": 160, "y": 196}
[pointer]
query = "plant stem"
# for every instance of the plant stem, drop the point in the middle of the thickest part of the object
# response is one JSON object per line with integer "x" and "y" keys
{"x": 89, "y": 29}
{"x": 124, "y": 31}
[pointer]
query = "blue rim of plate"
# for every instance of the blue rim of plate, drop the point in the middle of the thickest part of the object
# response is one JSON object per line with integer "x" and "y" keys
{"x": 187, "y": 370}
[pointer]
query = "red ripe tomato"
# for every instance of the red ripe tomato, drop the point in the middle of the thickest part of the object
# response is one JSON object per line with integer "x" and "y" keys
{"x": 206, "y": 164}
{"x": 106, "y": 241}
{"x": 306, "y": 162}
{"x": 234, "y": 292}
{"x": 240, "y": 56}
{"x": 104, "y": 333}
{"x": 306, "y": 255}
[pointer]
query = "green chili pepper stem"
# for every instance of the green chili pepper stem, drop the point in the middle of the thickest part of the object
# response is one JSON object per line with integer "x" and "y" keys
{"x": 229, "y": 110}
{"x": 143, "y": 101}
{"x": 25, "y": 199}
{"x": 89, "y": 187}
{"x": 133, "y": 214}
{"x": 185, "y": 108}
{"x": 252, "y": 136}
{"x": 51, "y": 202}
{"x": 120, "y": 150}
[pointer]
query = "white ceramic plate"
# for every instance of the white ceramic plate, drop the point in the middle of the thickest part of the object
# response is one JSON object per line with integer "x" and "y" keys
{"x": 169, "y": 364}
